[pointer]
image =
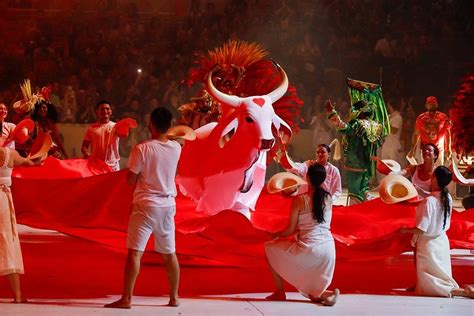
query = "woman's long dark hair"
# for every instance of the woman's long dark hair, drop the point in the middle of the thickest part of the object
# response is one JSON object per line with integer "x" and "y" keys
{"x": 443, "y": 178}
{"x": 51, "y": 115}
{"x": 316, "y": 175}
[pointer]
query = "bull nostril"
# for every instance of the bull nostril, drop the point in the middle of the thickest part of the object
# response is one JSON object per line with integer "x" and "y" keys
{"x": 266, "y": 143}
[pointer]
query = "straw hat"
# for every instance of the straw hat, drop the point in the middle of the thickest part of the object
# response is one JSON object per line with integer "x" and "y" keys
{"x": 395, "y": 188}
{"x": 386, "y": 166}
{"x": 40, "y": 146}
{"x": 284, "y": 181}
{"x": 22, "y": 131}
{"x": 181, "y": 131}
{"x": 123, "y": 126}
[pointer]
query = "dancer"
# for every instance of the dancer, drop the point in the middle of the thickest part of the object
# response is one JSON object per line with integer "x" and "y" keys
{"x": 308, "y": 261}
{"x": 421, "y": 174}
{"x": 432, "y": 127}
{"x": 152, "y": 167}
{"x": 363, "y": 135}
{"x": 45, "y": 117}
{"x": 11, "y": 261}
{"x": 332, "y": 184}
{"x": 433, "y": 261}
{"x": 103, "y": 138}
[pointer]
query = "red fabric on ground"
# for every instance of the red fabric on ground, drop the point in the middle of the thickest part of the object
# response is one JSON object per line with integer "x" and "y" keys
{"x": 97, "y": 208}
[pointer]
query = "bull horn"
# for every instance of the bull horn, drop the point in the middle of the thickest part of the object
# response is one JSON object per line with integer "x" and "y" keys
{"x": 276, "y": 94}
{"x": 222, "y": 97}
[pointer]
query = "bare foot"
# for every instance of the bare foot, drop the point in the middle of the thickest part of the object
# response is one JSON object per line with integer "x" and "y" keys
{"x": 276, "y": 296}
{"x": 21, "y": 300}
{"x": 121, "y": 303}
{"x": 315, "y": 299}
{"x": 331, "y": 299}
{"x": 174, "y": 302}
{"x": 469, "y": 290}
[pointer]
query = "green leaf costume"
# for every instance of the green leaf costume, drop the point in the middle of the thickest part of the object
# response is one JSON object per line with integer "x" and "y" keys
{"x": 367, "y": 125}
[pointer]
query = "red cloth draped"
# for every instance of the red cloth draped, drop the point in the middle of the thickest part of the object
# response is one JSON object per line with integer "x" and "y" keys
{"x": 97, "y": 208}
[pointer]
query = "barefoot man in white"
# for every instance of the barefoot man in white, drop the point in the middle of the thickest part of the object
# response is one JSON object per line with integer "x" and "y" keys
{"x": 152, "y": 167}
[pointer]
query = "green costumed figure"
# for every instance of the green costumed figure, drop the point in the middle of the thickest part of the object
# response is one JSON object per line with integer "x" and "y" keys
{"x": 367, "y": 125}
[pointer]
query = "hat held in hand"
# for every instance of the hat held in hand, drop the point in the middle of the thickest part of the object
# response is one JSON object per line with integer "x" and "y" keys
{"x": 21, "y": 132}
{"x": 40, "y": 146}
{"x": 181, "y": 131}
{"x": 387, "y": 166}
{"x": 284, "y": 182}
{"x": 396, "y": 188}
{"x": 123, "y": 126}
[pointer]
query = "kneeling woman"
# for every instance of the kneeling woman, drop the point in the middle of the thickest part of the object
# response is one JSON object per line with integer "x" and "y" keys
{"x": 433, "y": 260}
{"x": 308, "y": 261}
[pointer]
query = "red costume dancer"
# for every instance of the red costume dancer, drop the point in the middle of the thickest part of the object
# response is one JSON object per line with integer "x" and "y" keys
{"x": 432, "y": 127}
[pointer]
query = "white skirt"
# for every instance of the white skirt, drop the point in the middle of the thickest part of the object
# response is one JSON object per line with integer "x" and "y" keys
{"x": 308, "y": 267}
{"x": 433, "y": 266}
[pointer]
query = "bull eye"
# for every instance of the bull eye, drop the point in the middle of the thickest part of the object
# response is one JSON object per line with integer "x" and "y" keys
{"x": 249, "y": 119}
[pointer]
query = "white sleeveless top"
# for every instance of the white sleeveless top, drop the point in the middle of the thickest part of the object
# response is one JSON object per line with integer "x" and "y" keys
{"x": 422, "y": 186}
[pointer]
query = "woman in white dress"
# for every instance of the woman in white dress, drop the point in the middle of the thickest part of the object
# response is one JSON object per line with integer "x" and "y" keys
{"x": 433, "y": 261}
{"x": 332, "y": 183}
{"x": 307, "y": 262}
{"x": 11, "y": 262}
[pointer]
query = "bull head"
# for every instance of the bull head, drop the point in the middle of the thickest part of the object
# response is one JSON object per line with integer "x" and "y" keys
{"x": 252, "y": 110}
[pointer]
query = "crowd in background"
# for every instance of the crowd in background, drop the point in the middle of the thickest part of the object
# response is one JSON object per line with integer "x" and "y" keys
{"x": 138, "y": 60}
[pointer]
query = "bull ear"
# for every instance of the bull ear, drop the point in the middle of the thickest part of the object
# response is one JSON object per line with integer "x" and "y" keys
{"x": 276, "y": 94}
{"x": 228, "y": 132}
{"x": 284, "y": 130}
{"x": 231, "y": 100}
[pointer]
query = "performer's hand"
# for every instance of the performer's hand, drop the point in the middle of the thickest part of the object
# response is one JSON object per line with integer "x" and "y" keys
{"x": 403, "y": 230}
{"x": 329, "y": 106}
{"x": 40, "y": 160}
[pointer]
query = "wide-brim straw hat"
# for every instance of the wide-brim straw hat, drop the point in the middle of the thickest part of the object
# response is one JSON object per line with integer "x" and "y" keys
{"x": 40, "y": 146}
{"x": 181, "y": 131}
{"x": 22, "y": 131}
{"x": 284, "y": 181}
{"x": 396, "y": 188}
{"x": 123, "y": 126}
{"x": 386, "y": 166}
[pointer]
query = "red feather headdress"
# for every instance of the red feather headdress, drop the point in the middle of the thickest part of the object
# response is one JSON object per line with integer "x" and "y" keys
{"x": 245, "y": 70}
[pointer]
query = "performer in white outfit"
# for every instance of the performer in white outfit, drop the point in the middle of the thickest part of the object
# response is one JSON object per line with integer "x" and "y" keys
{"x": 392, "y": 146}
{"x": 332, "y": 184}
{"x": 421, "y": 174}
{"x": 308, "y": 261}
{"x": 103, "y": 138}
{"x": 433, "y": 261}
{"x": 152, "y": 168}
{"x": 11, "y": 261}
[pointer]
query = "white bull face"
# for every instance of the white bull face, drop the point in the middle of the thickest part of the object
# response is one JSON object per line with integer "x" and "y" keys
{"x": 253, "y": 110}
